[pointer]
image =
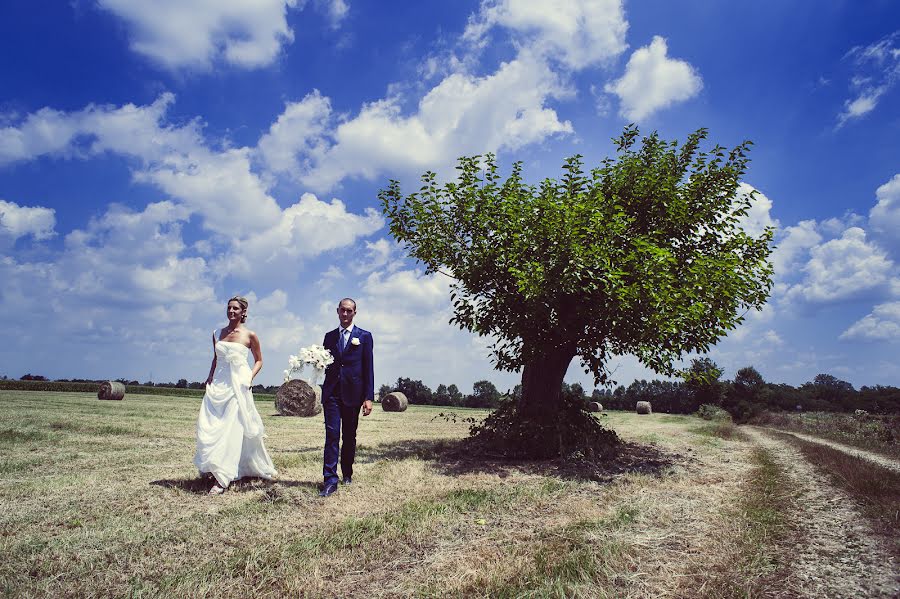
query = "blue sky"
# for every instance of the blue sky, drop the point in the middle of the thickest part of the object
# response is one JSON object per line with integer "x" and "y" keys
{"x": 158, "y": 158}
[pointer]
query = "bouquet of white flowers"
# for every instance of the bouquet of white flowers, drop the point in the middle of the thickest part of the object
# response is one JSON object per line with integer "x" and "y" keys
{"x": 315, "y": 356}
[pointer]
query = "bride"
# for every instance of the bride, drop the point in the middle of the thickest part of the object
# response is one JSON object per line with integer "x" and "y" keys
{"x": 229, "y": 430}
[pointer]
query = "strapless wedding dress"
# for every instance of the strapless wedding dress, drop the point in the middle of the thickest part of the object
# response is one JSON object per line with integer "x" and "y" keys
{"x": 229, "y": 430}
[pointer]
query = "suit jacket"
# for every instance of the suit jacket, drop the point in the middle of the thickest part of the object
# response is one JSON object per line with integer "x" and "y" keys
{"x": 350, "y": 378}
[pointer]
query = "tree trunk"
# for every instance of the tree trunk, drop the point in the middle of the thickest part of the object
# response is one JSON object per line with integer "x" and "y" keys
{"x": 542, "y": 379}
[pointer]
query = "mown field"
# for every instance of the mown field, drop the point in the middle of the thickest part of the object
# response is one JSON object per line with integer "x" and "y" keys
{"x": 101, "y": 499}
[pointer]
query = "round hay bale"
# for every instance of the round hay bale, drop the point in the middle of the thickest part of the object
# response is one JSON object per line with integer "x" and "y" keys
{"x": 394, "y": 402}
{"x": 643, "y": 407}
{"x": 298, "y": 398}
{"x": 595, "y": 406}
{"x": 111, "y": 390}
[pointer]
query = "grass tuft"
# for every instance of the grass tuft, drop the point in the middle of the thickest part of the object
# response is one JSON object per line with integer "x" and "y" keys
{"x": 721, "y": 429}
{"x": 11, "y": 436}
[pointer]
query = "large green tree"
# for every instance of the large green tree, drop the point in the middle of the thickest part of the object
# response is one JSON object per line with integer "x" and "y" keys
{"x": 643, "y": 255}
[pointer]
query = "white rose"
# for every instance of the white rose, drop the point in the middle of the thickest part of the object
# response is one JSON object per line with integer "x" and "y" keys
{"x": 354, "y": 341}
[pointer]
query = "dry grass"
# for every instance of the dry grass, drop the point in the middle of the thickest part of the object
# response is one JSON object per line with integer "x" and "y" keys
{"x": 100, "y": 498}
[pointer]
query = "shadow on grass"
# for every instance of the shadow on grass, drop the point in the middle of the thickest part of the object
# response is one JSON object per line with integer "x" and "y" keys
{"x": 201, "y": 484}
{"x": 452, "y": 458}
{"x": 197, "y": 486}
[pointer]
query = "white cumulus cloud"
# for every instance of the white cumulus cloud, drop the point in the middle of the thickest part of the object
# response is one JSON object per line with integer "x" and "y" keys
{"x": 195, "y": 33}
{"x": 792, "y": 245}
{"x": 653, "y": 81}
{"x": 298, "y": 131}
{"x": 576, "y": 33}
{"x": 306, "y": 229}
{"x": 462, "y": 115}
{"x": 883, "y": 324}
{"x": 843, "y": 268}
{"x": 758, "y": 217}
{"x": 218, "y": 184}
{"x": 18, "y": 221}
{"x": 884, "y": 218}
{"x": 465, "y": 112}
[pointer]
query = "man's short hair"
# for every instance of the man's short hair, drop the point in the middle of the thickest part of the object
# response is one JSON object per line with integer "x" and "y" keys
{"x": 347, "y": 299}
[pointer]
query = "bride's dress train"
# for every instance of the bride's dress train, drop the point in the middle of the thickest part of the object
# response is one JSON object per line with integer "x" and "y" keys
{"x": 229, "y": 430}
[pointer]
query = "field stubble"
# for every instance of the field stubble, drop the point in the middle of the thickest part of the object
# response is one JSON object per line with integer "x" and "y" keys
{"x": 100, "y": 498}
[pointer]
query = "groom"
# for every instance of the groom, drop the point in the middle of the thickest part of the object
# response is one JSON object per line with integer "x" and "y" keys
{"x": 349, "y": 385}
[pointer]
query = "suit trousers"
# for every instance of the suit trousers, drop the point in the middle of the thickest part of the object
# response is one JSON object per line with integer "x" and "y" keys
{"x": 339, "y": 419}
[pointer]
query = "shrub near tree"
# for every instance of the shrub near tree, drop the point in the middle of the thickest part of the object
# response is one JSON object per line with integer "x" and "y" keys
{"x": 644, "y": 255}
{"x": 702, "y": 380}
{"x": 830, "y": 393}
{"x": 484, "y": 395}
{"x": 747, "y": 395}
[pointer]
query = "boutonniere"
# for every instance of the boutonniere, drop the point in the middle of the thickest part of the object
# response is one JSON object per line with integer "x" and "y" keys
{"x": 354, "y": 341}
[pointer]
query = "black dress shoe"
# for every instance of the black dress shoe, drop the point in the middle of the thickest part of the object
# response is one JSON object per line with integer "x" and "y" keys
{"x": 348, "y": 480}
{"x": 328, "y": 490}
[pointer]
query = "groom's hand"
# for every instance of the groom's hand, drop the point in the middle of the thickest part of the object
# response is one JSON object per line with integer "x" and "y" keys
{"x": 367, "y": 407}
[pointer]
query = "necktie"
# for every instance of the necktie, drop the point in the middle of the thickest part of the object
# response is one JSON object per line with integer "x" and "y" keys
{"x": 344, "y": 339}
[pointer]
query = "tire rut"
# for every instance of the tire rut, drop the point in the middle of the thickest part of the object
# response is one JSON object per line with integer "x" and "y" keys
{"x": 881, "y": 460}
{"x": 837, "y": 554}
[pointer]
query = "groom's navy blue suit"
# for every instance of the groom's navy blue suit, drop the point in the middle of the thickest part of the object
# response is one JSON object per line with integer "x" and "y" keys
{"x": 349, "y": 381}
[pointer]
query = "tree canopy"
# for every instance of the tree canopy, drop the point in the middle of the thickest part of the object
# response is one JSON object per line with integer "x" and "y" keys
{"x": 643, "y": 255}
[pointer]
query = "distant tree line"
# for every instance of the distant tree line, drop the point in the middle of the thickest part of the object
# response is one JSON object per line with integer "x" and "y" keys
{"x": 484, "y": 394}
{"x": 749, "y": 394}
{"x": 743, "y": 397}
{"x": 180, "y": 384}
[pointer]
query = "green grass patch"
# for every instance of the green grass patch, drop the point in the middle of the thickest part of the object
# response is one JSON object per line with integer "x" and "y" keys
{"x": 760, "y": 566}
{"x": 412, "y": 515}
{"x": 8, "y": 466}
{"x": 284, "y": 461}
{"x": 720, "y": 429}
{"x": 12, "y": 435}
{"x": 93, "y": 429}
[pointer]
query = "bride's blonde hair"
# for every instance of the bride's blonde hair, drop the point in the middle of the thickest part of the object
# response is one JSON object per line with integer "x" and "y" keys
{"x": 244, "y": 303}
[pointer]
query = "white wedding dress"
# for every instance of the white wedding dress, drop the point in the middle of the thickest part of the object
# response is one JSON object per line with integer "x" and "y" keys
{"x": 229, "y": 430}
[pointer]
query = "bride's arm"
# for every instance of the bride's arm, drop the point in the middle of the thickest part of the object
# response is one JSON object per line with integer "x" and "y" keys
{"x": 212, "y": 367}
{"x": 257, "y": 355}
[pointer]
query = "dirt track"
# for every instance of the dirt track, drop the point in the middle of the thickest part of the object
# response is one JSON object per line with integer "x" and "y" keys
{"x": 854, "y": 451}
{"x": 837, "y": 554}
